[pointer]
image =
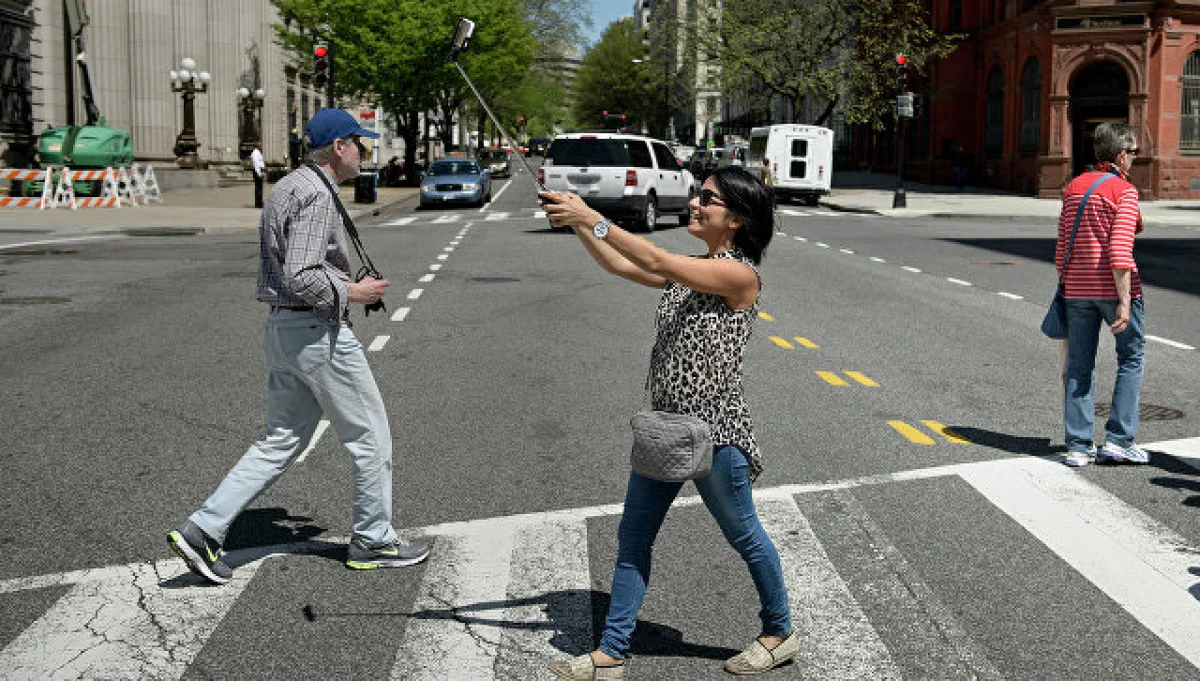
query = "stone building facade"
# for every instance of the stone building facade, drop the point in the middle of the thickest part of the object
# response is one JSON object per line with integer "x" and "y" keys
{"x": 131, "y": 47}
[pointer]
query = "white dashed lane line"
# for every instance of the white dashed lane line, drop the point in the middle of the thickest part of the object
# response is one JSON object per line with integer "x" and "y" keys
{"x": 1003, "y": 294}
{"x": 426, "y": 279}
{"x": 1167, "y": 341}
{"x": 435, "y": 266}
{"x": 399, "y": 315}
{"x": 377, "y": 344}
{"x": 415, "y": 293}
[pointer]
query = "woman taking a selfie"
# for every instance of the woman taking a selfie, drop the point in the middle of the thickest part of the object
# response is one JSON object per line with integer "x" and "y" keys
{"x": 704, "y": 318}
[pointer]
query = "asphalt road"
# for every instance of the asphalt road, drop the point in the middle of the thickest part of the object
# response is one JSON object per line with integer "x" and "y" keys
{"x": 132, "y": 379}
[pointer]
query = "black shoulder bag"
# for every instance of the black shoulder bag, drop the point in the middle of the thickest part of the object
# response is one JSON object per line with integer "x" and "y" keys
{"x": 368, "y": 267}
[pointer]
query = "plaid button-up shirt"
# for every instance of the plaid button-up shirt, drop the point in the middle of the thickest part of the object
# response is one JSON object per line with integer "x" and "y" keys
{"x": 302, "y": 254}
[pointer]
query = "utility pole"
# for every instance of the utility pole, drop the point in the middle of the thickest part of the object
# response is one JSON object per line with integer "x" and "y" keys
{"x": 904, "y": 110}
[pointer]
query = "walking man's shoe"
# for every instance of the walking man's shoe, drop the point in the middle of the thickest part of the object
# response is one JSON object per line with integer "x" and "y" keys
{"x": 1115, "y": 453}
{"x": 1078, "y": 459}
{"x": 201, "y": 553}
{"x": 759, "y": 659}
{"x": 399, "y": 553}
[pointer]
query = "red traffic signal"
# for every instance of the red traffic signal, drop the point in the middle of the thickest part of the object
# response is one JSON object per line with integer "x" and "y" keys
{"x": 901, "y": 59}
{"x": 320, "y": 51}
{"x": 605, "y": 112}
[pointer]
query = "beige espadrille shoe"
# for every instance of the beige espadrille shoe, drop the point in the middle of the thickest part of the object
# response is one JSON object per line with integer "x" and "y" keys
{"x": 759, "y": 659}
{"x": 583, "y": 668}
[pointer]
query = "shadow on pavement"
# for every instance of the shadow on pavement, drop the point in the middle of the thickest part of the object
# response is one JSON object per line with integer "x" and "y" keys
{"x": 1013, "y": 444}
{"x": 269, "y": 527}
{"x": 1163, "y": 263}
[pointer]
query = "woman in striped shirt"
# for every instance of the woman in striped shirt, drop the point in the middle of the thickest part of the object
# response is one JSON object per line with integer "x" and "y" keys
{"x": 1101, "y": 284}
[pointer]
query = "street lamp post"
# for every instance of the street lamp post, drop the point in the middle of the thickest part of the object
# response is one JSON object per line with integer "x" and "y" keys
{"x": 251, "y": 103}
{"x": 188, "y": 83}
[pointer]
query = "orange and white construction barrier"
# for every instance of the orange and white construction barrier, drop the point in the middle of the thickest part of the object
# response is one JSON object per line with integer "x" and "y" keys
{"x": 41, "y": 202}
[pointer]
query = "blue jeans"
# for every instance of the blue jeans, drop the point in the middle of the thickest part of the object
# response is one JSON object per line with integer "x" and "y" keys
{"x": 1084, "y": 319}
{"x": 316, "y": 368}
{"x": 726, "y": 493}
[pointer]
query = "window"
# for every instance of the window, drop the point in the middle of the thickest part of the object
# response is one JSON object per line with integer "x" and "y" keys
{"x": 800, "y": 148}
{"x": 1189, "y": 120}
{"x": 666, "y": 160}
{"x": 798, "y": 169}
{"x": 994, "y": 133}
{"x": 639, "y": 154}
{"x": 1031, "y": 107}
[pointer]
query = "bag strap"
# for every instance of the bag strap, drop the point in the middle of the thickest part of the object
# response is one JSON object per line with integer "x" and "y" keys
{"x": 368, "y": 266}
{"x": 1079, "y": 214}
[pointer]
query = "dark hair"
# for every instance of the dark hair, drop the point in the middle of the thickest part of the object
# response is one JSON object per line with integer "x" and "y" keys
{"x": 752, "y": 204}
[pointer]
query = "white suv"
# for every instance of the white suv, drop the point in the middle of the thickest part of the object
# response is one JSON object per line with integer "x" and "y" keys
{"x": 630, "y": 179}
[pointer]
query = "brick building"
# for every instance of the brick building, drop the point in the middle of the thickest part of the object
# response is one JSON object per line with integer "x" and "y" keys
{"x": 1018, "y": 100}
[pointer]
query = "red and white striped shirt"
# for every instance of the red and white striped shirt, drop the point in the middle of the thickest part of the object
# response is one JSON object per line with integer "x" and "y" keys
{"x": 1105, "y": 238}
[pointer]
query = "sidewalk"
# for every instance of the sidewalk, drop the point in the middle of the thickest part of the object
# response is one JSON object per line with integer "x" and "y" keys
{"x": 873, "y": 193}
{"x": 223, "y": 210}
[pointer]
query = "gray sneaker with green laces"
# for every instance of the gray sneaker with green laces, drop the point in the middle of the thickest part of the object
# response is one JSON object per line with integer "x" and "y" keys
{"x": 201, "y": 552}
{"x": 400, "y": 553}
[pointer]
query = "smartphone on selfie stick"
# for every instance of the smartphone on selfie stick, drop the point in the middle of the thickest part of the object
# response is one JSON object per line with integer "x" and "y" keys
{"x": 459, "y": 44}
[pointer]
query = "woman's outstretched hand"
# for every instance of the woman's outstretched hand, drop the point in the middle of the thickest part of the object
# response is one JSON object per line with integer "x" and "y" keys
{"x": 566, "y": 209}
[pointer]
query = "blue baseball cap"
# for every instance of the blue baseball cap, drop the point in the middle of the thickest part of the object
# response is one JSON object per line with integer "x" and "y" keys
{"x": 328, "y": 125}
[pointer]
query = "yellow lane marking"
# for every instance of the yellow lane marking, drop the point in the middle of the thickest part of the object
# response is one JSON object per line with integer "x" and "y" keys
{"x": 765, "y": 317}
{"x": 861, "y": 379}
{"x": 832, "y": 378}
{"x": 911, "y": 433}
{"x": 946, "y": 433}
{"x": 806, "y": 343}
{"x": 781, "y": 343}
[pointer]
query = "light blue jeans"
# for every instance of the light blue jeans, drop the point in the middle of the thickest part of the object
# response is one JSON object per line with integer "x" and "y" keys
{"x": 1084, "y": 319}
{"x": 316, "y": 368}
{"x": 726, "y": 493}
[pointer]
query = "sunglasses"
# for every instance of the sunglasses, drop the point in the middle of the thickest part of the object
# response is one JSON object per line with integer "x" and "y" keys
{"x": 1133, "y": 152}
{"x": 708, "y": 196}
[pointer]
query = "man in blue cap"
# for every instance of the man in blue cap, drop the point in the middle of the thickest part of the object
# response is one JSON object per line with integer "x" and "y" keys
{"x": 316, "y": 365}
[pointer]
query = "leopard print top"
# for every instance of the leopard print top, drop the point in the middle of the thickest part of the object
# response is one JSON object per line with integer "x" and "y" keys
{"x": 696, "y": 363}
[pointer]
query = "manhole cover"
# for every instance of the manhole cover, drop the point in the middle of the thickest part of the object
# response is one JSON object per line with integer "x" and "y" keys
{"x": 1146, "y": 412}
{"x": 34, "y": 300}
{"x": 494, "y": 280}
{"x": 40, "y": 251}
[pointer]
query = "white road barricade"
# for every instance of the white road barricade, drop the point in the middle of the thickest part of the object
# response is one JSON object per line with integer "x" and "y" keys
{"x": 40, "y": 202}
{"x": 146, "y": 183}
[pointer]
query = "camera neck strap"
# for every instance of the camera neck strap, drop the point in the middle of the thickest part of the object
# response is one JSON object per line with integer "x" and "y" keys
{"x": 351, "y": 231}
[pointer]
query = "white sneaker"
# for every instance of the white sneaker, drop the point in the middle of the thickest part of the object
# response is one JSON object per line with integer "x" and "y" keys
{"x": 1078, "y": 459}
{"x": 1115, "y": 453}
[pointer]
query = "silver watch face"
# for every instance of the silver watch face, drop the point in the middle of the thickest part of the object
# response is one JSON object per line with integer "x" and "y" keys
{"x": 600, "y": 229}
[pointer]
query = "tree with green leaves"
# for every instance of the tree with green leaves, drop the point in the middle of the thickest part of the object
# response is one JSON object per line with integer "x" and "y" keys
{"x": 395, "y": 53}
{"x": 839, "y": 52}
{"x": 610, "y": 80}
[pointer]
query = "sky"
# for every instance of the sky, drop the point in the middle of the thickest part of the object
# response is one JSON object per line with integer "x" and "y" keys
{"x": 604, "y": 12}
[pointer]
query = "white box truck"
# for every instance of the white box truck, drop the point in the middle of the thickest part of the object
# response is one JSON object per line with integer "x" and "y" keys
{"x": 796, "y": 161}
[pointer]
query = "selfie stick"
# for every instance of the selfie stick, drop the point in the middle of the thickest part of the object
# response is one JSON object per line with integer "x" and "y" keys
{"x": 458, "y": 45}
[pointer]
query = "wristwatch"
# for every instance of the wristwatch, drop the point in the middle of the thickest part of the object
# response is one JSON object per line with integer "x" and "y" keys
{"x": 600, "y": 229}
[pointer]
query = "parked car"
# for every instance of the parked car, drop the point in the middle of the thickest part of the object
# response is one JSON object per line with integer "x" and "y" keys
{"x": 498, "y": 161}
{"x": 735, "y": 155}
{"x": 537, "y": 146}
{"x": 627, "y": 178}
{"x": 705, "y": 161}
{"x": 455, "y": 180}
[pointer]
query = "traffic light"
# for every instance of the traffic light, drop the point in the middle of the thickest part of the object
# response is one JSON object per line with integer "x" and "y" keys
{"x": 320, "y": 64}
{"x": 901, "y": 72}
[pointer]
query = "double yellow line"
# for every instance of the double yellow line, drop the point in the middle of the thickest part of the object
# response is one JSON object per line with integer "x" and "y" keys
{"x": 912, "y": 433}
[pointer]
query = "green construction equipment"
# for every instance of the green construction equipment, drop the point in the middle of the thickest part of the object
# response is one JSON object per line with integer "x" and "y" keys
{"x": 91, "y": 146}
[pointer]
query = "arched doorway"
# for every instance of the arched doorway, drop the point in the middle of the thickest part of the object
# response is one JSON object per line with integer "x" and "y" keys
{"x": 1099, "y": 94}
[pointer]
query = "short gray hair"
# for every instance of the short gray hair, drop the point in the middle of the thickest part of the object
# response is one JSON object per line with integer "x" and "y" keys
{"x": 1111, "y": 139}
{"x": 322, "y": 155}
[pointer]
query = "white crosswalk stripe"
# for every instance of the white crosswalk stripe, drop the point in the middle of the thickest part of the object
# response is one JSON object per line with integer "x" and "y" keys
{"x": 500, "y": 596}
